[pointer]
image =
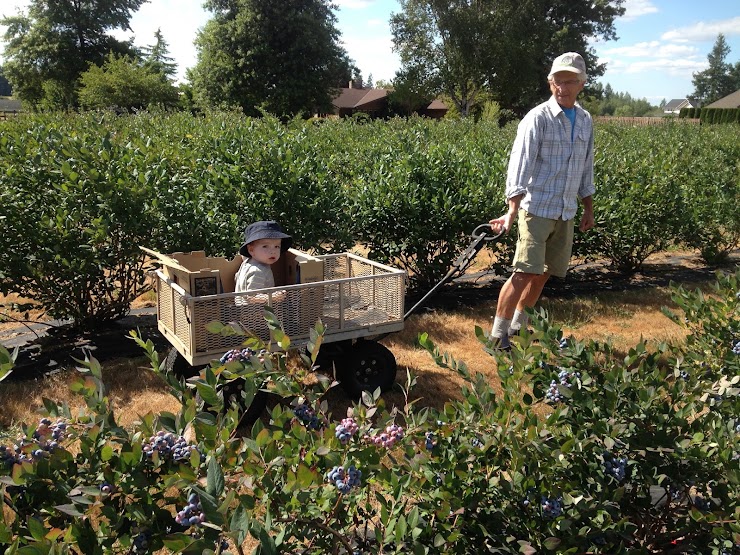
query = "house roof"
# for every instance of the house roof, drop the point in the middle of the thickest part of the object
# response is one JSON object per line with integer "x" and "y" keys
{"x": 730, "y": 101}
{"x": 437, "y": 105}
{"x": 355, "y": 98}
{"x": 677, "y": 103}
{"x": 10, "y": 105}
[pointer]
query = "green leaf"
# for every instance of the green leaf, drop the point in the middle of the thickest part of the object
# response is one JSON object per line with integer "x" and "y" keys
{"x": 306, "y": 476}
{"x": 36, "y": 527}
{"x": 215, "y": 478}
{"x": 239, "y": 524}
{"x": 106, "y": 453}
{"x": 70, "y": 510}
{"x": 526, "y": 548}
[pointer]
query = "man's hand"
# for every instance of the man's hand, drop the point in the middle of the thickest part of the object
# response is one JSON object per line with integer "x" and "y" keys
{"x": 502, "y": 222}
{"x": 587, "y": 220}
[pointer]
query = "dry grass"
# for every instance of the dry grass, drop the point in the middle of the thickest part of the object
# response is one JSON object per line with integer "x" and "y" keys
{"x": 10, "y": 318}
{"x": 622, "y": 318}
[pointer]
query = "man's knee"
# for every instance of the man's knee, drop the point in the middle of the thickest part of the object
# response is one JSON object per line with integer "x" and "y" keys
{"x": 526, "y": 278}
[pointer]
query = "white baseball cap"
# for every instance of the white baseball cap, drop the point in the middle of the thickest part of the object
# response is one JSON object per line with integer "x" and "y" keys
{"x": 570, "y": 61}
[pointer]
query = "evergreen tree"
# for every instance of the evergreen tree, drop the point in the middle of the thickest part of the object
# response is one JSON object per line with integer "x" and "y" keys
{"x": 717, "y": 80}
{"x": 157, "y": 59}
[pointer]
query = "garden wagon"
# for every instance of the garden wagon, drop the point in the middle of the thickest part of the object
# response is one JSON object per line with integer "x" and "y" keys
{"x": 359, "y": 301}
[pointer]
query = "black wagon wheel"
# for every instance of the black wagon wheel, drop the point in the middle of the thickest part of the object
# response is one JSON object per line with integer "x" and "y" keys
{"x": 177, "y": 364}
{"x": 368, "y": 365}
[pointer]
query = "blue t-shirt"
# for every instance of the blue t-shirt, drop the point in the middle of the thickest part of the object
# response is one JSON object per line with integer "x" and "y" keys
{"x": 570, "y": 113}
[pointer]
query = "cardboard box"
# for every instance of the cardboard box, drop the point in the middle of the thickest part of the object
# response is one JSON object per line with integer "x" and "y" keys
{"x": 201, "y": 275}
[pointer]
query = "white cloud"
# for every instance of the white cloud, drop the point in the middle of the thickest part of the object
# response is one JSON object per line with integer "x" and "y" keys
{"x": 638, "y": 8}
{"x": 373, "y": 56}
{"x": 675, "y": 67}
{"x": 705, "y": 31}
{"x": 10, "y": 7}
{"x": 634, "y": 50}
{"x": 652, "y": 49}
{"x": 678, "y": 67}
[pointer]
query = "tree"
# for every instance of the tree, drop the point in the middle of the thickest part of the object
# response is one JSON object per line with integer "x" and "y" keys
{"x": 720, "y": 78}
{"x": 156, "y": 57}
{"x": 283, "y": 57}
{"x": 603, "y": 101}
{"x": 466, "y": 47}
{"x": 407, "y": 96}
{"x": 124, "y": 83}
{"x": 48, "y": 48}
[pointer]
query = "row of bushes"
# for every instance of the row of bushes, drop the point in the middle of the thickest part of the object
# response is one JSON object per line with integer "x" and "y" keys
{"x": 712, "y": 115}
{"x": 81, "y": 193}
{"x": 584, "y": 450}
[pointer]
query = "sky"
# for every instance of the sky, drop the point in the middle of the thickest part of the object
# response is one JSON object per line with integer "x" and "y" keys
{"x": 661, "y": 43}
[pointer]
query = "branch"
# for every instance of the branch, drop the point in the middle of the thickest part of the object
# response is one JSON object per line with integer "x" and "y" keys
{"x": 322, "y": 527}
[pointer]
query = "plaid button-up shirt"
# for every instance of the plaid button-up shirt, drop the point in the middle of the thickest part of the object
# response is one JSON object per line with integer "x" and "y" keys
{"x": 547, "y": 167}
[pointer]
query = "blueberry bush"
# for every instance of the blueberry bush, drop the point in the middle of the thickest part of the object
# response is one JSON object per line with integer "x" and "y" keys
{"x": 80, "y": 194}
{"x": 584, "y": 450}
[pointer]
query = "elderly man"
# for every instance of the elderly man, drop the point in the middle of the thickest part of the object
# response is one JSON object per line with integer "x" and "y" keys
{"x": 550, "y": 168}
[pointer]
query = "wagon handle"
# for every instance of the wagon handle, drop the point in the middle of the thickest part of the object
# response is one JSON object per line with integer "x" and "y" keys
{"x": 484, "y": 228}
{"x": 481, "y": 235}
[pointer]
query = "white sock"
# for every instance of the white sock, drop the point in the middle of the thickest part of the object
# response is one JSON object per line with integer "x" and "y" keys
{"x": 500, "y": 327}
{"x": 518, "y": 322}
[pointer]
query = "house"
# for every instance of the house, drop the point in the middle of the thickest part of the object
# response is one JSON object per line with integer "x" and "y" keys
{"x": 675, "y": 105}
{"x": 730, "y": 101}
{"x": 374, "y": 102}
{"x": 9, "y": 107}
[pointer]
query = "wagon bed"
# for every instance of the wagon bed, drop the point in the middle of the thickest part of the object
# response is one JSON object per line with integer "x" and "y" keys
{"x": 356, "y": 298}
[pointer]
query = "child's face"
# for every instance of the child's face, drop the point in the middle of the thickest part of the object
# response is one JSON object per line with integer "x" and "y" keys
{"x": 265, "y": 251}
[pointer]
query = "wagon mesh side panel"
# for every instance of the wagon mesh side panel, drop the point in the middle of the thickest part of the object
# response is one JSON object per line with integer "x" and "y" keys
{"x": 164, "y": 303}
{"x": 373, "y": 297}
{"x": 297, "y": 309}
{"x": 206, "y": 310}
{"x": 335, "y": 267}
{"x": 172, "y": 312}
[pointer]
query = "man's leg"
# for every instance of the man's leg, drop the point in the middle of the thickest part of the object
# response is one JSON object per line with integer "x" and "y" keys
{"x": 529, "y": 298}
{"x": 519, "y": 289}
{"x": 525, "y": 285}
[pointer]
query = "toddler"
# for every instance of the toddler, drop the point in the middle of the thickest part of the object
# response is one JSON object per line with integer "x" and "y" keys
{"x": 264, "y": 242}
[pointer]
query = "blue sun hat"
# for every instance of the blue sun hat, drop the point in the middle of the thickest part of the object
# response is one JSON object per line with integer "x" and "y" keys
{"x": 265, "y": 230}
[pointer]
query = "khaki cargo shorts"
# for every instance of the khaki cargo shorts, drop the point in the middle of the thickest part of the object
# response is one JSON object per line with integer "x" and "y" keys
{"x": 544, "y": 245}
